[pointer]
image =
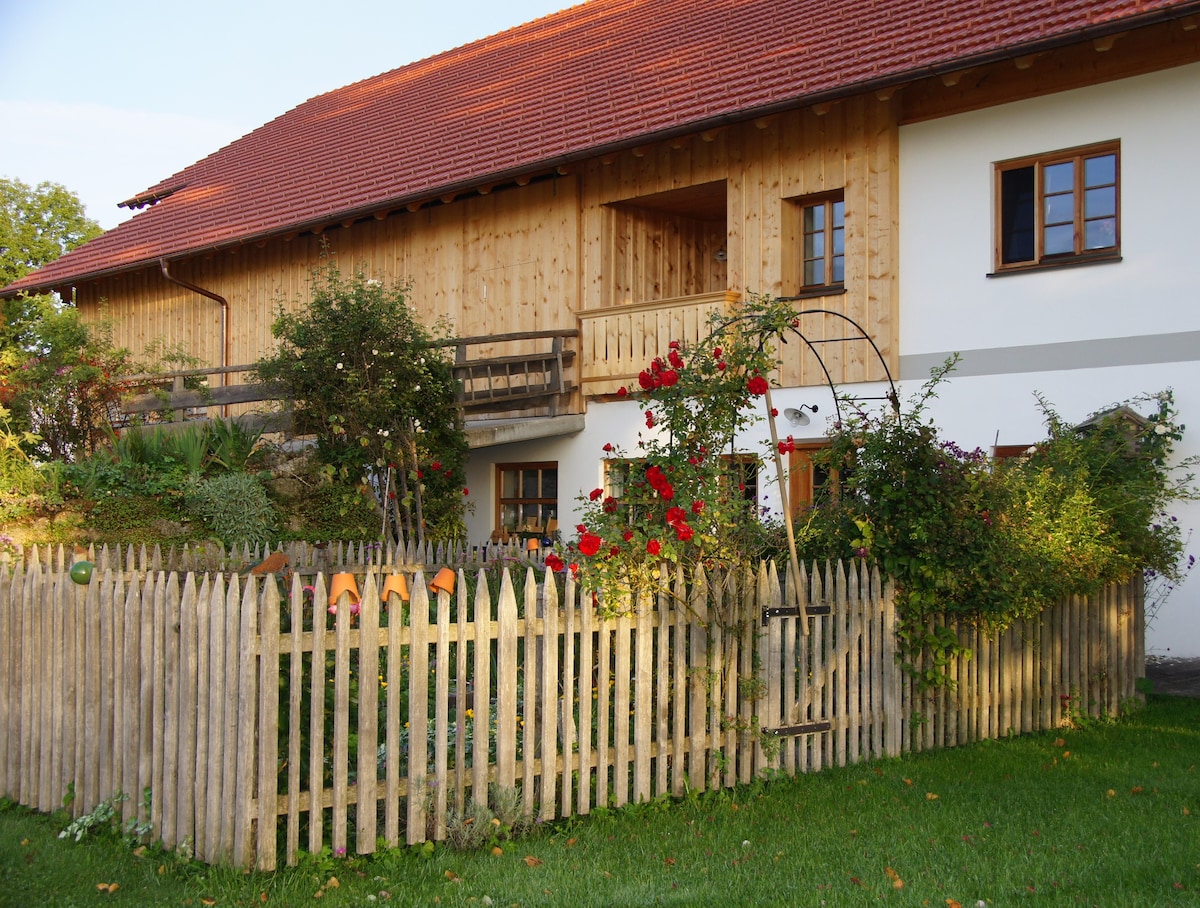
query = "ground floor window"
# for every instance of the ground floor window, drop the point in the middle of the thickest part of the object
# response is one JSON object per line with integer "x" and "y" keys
{"x": 527, "y": 499}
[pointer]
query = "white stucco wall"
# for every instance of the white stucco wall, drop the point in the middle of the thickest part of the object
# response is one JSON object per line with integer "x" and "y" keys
{"x": 1084, "y": 337}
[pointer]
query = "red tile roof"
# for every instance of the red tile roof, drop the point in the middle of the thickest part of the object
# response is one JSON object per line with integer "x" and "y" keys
{"x": 602, "y": 75}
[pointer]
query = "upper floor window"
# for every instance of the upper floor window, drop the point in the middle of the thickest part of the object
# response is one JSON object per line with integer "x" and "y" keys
{"x": 824, "y": 229}
{"x": 813, "y": 236}
{"x": 1058, "y": 208}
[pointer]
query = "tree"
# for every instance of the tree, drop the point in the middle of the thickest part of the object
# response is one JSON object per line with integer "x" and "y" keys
{"x": 371, "y": 383}
{"x": 37, "y": 225}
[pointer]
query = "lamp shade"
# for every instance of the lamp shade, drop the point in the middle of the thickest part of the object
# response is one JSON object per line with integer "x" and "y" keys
{"x": 343, "y": 583}
{"x": 395, "y": 583}
{"x": 444, "y": 581}
{"x": 533, "y": 544}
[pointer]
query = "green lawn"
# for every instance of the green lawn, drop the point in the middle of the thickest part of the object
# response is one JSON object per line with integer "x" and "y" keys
{"x": 1108, "y": 815}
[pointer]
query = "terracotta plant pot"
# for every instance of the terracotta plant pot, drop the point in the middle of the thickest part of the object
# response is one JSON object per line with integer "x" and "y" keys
{"x": 395, "y": 583}
{"x": 343, "y": 583}
{"x": 444, "y": 581}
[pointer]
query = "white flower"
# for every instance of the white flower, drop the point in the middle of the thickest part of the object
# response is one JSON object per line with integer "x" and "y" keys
{"x": 374, "y": 352}
{"x": 1160, "y": 429}
{"x": 339, "y": 365}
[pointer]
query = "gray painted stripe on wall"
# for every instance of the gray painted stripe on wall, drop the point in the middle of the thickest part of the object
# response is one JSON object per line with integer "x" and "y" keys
{"x": 1139, "y": 350}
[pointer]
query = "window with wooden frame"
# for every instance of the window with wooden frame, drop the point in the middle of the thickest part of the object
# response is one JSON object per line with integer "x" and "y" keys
{"x": 1058, "y": 208}
{"x": 810, "y": 482}
{"x": 815, "y": 243}
{"x": 527, "y": 499}
{"x": 743, "y": 469}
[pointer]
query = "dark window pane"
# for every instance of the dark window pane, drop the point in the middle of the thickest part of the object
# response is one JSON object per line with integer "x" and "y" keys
{"x": 508, "y": 484}
{"x": 1016, "y": 215}
{"x": 529, "y": 484}
{"x": 839, "y": 214}
{"x": 814, "y": 272}
{"x": 814, "y": 218}
{"x": 839, "y": 269}
{"x": 839, "y": 242}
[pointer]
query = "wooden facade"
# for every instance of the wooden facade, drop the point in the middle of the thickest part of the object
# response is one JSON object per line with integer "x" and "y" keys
{"x": 671, "y": 227}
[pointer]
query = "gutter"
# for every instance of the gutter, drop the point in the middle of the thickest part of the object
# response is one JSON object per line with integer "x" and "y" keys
{"x": 224, "y": 303}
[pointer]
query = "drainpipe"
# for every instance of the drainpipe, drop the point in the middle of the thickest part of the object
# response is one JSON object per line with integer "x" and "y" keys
{"x": 225, "y": 339}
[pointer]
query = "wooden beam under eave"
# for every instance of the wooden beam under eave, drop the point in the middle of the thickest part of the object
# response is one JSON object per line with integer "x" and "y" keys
{"x": 823, "y": 108}
{"x": 952, "y": 79}
{"x": 382, "y": 214}
{"x": 1025, "y": 62}
{"x": 413, "y": 207}
{"x": 639, "y": 152}
{"x": 1106, "y": 43}
{"x": 886, "y": 94}
{"x": 710, "y": 135}
{"x": 1189, "y": 23}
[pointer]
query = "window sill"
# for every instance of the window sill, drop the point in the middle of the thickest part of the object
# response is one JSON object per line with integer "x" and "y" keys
{"x": 1075, "y": 262}
{"x": 815, "y": 292}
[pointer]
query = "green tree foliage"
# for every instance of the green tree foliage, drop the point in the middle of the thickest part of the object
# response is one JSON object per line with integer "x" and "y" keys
{"x": 369, "y": 381}
{"x": 37, "y": 225}
{"x": 60, "y": 377}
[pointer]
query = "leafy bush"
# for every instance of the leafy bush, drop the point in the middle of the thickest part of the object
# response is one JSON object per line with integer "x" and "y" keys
{"x": 235, "y": 506}
{"x": 369, "y": 381}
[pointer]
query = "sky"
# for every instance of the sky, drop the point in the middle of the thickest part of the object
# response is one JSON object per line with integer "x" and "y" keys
{"x": 108, "y": 97}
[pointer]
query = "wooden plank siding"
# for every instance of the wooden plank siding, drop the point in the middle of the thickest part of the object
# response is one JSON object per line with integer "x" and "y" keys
{"x": 171, "y": 682}
{"x": 698, "y": 216}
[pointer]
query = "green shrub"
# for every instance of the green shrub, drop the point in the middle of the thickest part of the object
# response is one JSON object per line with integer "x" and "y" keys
{"x": 235, "y": 506}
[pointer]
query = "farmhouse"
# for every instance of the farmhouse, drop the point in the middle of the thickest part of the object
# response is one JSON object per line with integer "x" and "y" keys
{"x": 1011, "y": 181}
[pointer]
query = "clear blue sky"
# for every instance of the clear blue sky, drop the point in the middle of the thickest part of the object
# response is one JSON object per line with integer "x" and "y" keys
{"x": 107, "y": 97}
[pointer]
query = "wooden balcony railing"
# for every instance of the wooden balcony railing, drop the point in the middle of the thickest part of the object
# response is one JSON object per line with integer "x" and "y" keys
{"x": 617, "y": 342}
{"x": 532, "y": 372}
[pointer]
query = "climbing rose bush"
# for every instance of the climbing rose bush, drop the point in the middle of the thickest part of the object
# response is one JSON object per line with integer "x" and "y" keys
{"x": 681, "y": 497}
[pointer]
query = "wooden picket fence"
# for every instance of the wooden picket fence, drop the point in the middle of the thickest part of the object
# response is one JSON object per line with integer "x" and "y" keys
{"x": 262, "y": 726}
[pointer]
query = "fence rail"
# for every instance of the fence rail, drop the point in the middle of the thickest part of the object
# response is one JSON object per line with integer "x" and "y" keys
{"x": 263, "y": 726}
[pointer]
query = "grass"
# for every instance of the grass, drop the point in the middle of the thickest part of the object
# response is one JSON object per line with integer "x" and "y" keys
{"x": 1107, "y": 815}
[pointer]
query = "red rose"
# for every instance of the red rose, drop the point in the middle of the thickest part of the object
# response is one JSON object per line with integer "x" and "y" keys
{"x": 669, "y": 377}
{"x": 627, "y": 535}
{"x": 595, "y": 493}
{"x": 435, "y": 466}
{"x": 553, "y": 562}
{"x": 589, "y": 544}
{"x": 683, "y": 532}
{"x": 622, "y": 391}
{"x": 697, "y": 506}
{"x": 649, "y": 419}
{"x": 653, "y": 547}
{"x": 757, "y": 385}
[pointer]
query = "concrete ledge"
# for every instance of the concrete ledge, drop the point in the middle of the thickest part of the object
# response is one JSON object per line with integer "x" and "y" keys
{"x": 488, "y": 433}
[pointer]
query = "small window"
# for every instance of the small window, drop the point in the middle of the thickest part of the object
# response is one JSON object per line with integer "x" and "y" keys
{"x": 823, "y": 225}
{"x": 1058, "y": 208}
{"x": 528, "y": 498}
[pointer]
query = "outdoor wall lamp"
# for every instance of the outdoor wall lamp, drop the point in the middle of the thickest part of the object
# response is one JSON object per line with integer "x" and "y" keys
{"x": 796, "y": 415}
